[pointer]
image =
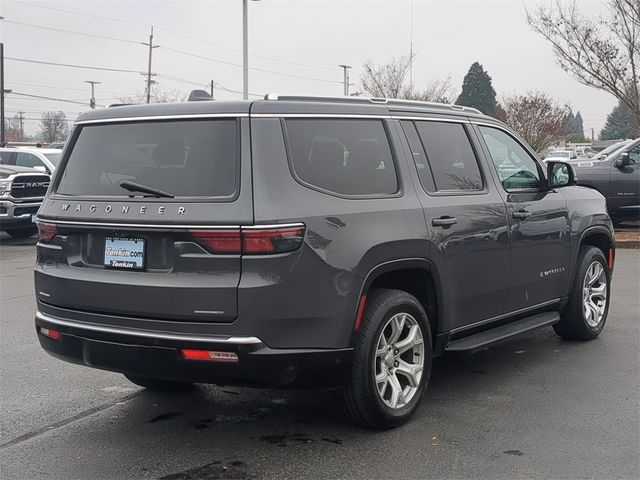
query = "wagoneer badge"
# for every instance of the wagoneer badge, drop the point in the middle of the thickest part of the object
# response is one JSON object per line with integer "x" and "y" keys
{"x": 125, "y": 209}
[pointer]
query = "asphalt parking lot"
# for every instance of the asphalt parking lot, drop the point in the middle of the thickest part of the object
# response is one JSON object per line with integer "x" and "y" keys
{"x": 537, "y": 407}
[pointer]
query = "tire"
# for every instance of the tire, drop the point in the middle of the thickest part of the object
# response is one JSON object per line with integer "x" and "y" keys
{"x": 158, "y": 384}
{"x": 579, "y": 321}
{"x": 360, "y": 399}
{"x": 24, "y": 232}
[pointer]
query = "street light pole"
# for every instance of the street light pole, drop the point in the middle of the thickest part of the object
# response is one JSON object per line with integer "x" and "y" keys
{"x": 245, "y": 49}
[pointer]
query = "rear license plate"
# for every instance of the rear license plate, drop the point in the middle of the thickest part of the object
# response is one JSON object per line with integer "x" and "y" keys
{"x": 127, "y": 253}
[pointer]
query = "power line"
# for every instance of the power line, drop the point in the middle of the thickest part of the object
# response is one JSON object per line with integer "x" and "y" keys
{"x": 256, "y": 69}
{"x": 69, "y": 65}
{"x": 48, "y": 98}
{"x": 71, "y": 32}
{"x": 197, "y": 84}
{"x": 99, "y": 17}
{"x": 173, "y": 32}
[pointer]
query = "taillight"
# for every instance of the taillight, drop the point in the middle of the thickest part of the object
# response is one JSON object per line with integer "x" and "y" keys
{"x": 46, "y": 232}
{"x": 271, "y": 240}
{"x": 220, "y": 241}
{"x": 252, "y": 240}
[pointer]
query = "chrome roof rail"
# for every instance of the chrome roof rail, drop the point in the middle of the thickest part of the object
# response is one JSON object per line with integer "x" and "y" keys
{"x": 374, "y": 100}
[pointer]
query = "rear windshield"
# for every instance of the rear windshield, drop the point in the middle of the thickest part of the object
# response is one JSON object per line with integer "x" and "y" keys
{"x": 186, "y": 158}
{"x": 54, "y": 158}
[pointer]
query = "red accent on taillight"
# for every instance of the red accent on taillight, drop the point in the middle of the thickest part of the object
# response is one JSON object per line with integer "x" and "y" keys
{"x": 210, "y": 355}
{"x": 46, "y": 232}
{"x": 47, "y": 332}
{"x": 272, "y": 240}
{"x": 612, "y": 258}
{"x": 360, "y": 312}
{"x": 251, "y": 241}
{"x": 220, "y": 241}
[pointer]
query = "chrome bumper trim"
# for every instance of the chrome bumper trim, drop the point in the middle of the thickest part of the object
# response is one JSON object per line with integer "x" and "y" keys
{"x": 147, "y": 334}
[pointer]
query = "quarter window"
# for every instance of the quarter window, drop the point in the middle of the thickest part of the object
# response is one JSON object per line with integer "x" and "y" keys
{"x": 450, "y": 155}
{"x": 516, "y": 168}
{"x": 343, "y": 156}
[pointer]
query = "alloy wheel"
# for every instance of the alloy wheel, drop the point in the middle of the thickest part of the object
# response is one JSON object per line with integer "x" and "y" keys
{"x": 399, "y": 360}
{"x": 594, "y": 294}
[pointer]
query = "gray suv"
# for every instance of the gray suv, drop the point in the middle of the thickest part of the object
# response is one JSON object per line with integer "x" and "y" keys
{"x": 617, "y": 177}
{"x": 306, "y": 241}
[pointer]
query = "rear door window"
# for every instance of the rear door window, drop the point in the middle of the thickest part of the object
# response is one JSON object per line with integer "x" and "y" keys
{"x": 186, "y": 158}
{"x": 349, "y": 157}
{"x": 450, "y": 155}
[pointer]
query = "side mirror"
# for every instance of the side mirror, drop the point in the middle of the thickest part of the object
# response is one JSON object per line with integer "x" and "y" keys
{"x": 624, "y": 160}
{"x": 560, "y": 174}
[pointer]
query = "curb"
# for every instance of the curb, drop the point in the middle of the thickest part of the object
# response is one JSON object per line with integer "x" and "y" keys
{"x": 627, "y": 244}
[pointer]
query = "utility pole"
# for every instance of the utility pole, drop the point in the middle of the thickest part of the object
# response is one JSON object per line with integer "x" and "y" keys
{"x": 149, "y": 74}
{"x": 21, "y": 119}
{"x": 212, "y": 85}
{"x": 2, "y": 93}
{"x": 346, "y": 68}
{"x": 92, "y": 100}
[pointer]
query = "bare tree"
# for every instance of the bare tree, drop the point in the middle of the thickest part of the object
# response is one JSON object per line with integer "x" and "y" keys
{"x": 157, "y": 96}
{"x": 53, "y": 127}
{"x": 601, "y": 52}
{"x": 389, "y": 80}
{"x": 536, "y": 117}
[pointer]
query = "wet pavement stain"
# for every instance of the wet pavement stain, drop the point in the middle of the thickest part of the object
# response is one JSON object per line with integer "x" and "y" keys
{"x": 337, "y": 441}
{"x": 515, "y": 453}
{"x": 284, "y": 440}
{"x": 215, "y": 471}
{"x": 165, "y": 416}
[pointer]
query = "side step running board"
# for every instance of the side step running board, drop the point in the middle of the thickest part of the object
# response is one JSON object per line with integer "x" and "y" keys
{"x": 505, "y": 332}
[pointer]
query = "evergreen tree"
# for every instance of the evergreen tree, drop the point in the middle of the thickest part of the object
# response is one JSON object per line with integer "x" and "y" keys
{"x": 578, "y": 124}
{"x": 477, "y": 91}
{"x": 568, "y": 124}
{"x": 619, "y": 124}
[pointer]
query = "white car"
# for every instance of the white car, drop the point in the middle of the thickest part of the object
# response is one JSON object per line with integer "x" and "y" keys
{"x": 42, "y": 159}
{"x": 561, "y": 156}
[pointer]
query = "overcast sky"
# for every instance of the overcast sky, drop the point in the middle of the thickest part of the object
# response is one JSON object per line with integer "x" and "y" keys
{"x": 303, "y": 42}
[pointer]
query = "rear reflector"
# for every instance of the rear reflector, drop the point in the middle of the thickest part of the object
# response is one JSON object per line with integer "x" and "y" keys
{"x": 612, "y": 258}
{"x": 252, "y": 240}
{"x": 47, "y": 332}
{"x": 360, "y": 312}
{"x": 46, "y": 232}
{"x": 210, "y": 355}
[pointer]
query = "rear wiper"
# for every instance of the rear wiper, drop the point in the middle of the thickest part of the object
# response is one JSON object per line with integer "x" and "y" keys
{"x": 138, "y": 187}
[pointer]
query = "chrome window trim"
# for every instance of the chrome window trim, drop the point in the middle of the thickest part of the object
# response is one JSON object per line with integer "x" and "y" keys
{"x": 145, "y": 333}
{"x": 195, "y": 116}
{"x": 431, "y": 119}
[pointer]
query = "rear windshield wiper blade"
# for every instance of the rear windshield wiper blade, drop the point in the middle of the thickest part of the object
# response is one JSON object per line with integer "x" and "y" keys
{"x": 138, "y": 187}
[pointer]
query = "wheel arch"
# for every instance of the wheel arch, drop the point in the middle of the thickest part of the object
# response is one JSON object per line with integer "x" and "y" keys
{"x": 416, "y": 276}
{"x": 601, "y": 238}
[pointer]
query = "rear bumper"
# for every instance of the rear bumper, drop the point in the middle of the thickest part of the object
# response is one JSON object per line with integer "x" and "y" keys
{"x": 158, "y": 355}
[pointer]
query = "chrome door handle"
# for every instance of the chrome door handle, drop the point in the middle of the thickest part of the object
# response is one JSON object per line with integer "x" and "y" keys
{"x": 522, "y": 214}
{"x": 444, "y": 221}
